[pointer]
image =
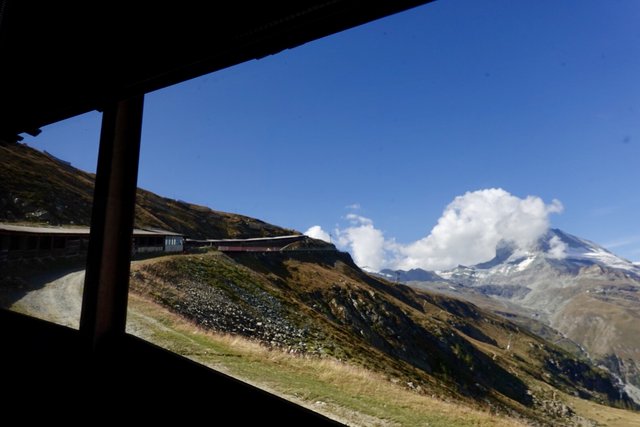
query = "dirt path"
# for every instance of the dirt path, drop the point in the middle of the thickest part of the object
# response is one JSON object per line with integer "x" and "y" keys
{"x": 58, "y": 300}
{"x": 56, "y": 297}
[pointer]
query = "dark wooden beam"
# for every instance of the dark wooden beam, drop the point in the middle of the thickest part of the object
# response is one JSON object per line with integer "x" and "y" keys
{"x": 104, "y": 303}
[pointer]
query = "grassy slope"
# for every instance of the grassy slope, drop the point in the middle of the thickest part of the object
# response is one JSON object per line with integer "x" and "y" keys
{"x": 433, "y": 345}
{"x": 348, "y": 393}
{"x": 36, "y": 188}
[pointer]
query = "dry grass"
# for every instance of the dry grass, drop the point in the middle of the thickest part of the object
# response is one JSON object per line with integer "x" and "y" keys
{"x": 351, "y": 394}
{"x": 603, "y": 325}
{"x": 604, "y": 415}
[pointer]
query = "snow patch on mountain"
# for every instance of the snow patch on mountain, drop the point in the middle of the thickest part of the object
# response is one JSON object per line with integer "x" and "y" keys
{"x": 577, "y": 249}
{"x": 525, "y": 263}
{"x": 556, "y": 248}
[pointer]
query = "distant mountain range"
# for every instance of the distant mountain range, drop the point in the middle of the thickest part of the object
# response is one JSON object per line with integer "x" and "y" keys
{"x": 585, "y": 292}
{"x": 413, "y": 275}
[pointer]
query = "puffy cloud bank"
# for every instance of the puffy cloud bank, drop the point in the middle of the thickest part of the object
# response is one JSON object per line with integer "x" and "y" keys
{"x": 318, "y": 233}
{"x": 467, "y": 233}
{"x": 366, "y": 243}
{"x": 472, "y": 225}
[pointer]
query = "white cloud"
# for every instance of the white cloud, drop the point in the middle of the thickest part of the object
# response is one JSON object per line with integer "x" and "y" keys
{"x": 366, "y": 243}
{"x": 472, "y": 225}
{"x": 557, "y": 248}
{"x": 353, "y": 206}
{"x": 355, "y": 219}
{"x": 467, "y": 233}
{"x": 317, "y": 232}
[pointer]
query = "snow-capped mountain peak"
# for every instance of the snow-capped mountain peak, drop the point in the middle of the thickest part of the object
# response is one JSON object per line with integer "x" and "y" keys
{"x": 557, "y": 245}
{"x": 556, "y": 249}
{"x": 574, "y": 249}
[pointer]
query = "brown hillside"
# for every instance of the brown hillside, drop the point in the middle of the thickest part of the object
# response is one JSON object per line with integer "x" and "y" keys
{"x": 35, "y": 187}
{"x": 322, "y": 305}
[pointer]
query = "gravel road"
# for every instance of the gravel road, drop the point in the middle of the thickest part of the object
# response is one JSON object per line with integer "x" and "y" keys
{"x": 58, "y": 300}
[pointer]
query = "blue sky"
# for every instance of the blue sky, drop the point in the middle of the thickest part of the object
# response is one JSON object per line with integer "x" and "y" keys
{"x": 401, "y": 116}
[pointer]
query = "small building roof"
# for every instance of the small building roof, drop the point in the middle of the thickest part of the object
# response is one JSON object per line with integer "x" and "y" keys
{"x": 155, "y": 232}
{"x": 75, "y": 231}
{"x": 258, "y": 239}
{"x": 35, "y": 229}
